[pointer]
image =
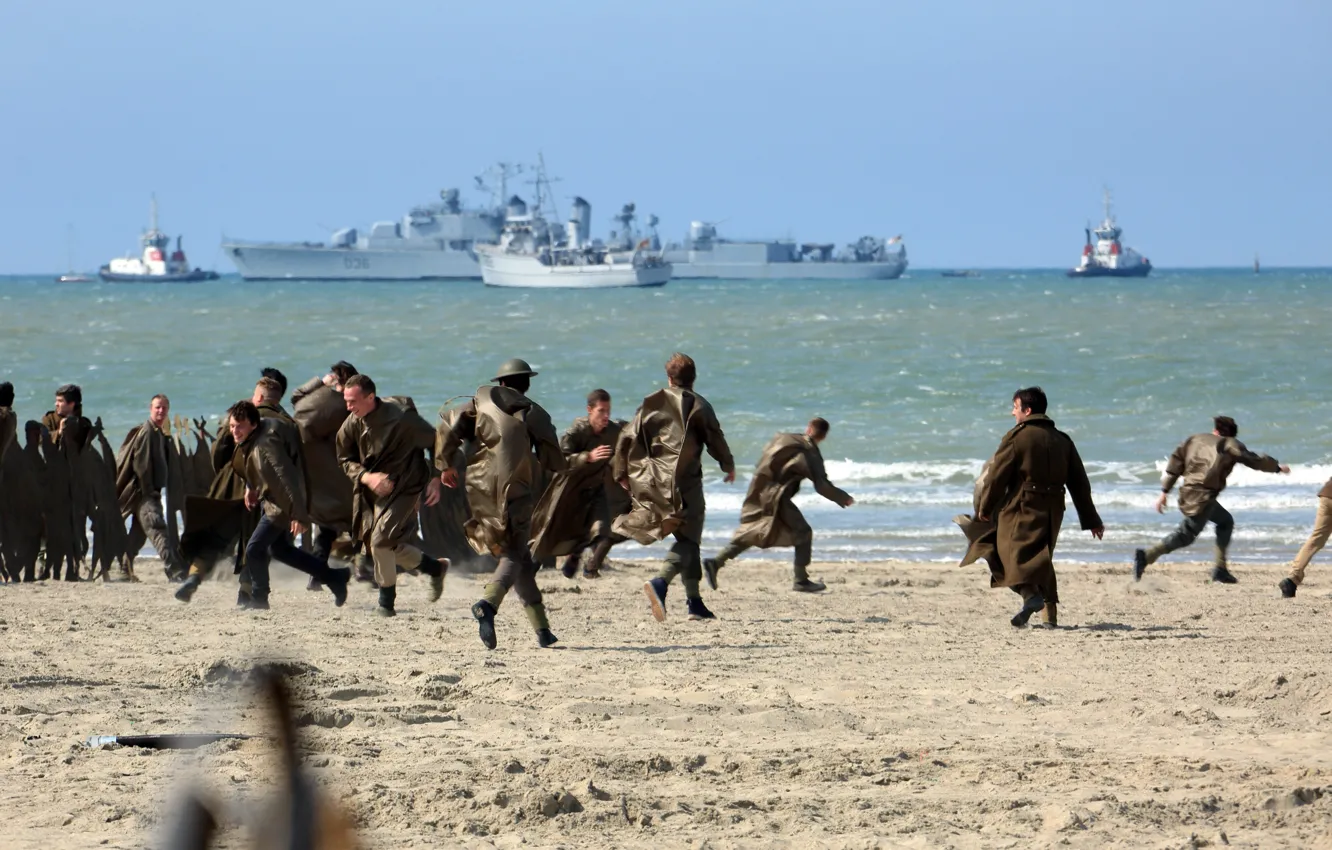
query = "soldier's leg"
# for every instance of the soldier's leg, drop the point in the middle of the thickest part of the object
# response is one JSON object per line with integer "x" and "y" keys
{"x": 154, "y": 525}
{"x": 1225, "y": 529}
{"x": 804, "y": 553}
{"x": 600, "y": 550}
{"x": 257, "y": 555}
{"x": 135, "y": 539}
{"x": 1322, "y": 530}
{"x": 1188, "y": 530}
{"x": 323, "y": 542}
{"x": 731, "y": 550}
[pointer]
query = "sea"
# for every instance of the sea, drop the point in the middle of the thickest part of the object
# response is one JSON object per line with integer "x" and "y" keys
{"x": 916, "y": 376}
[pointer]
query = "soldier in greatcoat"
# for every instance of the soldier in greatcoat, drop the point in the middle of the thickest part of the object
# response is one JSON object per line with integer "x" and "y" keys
{"x": 659, "y": 460}
{"x": 141, "y": 475}
{"x": 1204, "y": 462}
{"x": 8, "y": 432}
{"x": 588, "y": 446}
{"x": 22, "y": 504}
{"x": 513, "y": 442}
{"x": 1023, "y": 492}
{"x": 319, "y": 409}
{"x": 382, "y": 447}
{"x": 769, "y": 517}
{"x": 68, "y": 501}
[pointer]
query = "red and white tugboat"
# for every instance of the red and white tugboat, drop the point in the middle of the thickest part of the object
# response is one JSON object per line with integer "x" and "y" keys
{"x": 154, "y": 266}
{"x": 1107, "y": 257}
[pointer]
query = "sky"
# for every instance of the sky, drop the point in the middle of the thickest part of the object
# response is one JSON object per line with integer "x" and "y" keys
{"x": 982, "y": 132}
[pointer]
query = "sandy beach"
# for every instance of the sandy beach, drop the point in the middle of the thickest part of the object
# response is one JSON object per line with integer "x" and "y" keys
{"x": 899, "y": 709}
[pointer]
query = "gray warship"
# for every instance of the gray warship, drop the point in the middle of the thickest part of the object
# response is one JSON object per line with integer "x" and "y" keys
{"x": 431, "y": 242}
{"x": 704, "y": 254}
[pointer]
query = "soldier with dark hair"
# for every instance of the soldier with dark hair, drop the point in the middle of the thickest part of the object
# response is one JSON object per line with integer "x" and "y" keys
{"x": 277, "y": 377}
{"x": 1023, "y": 491}
{"x": 268, "y": 458}
{"x": 1204, "y": 462}
{"x": 769, "y": 517}
{"x": 659, "y": 460}
{"x": 589, "y": 445}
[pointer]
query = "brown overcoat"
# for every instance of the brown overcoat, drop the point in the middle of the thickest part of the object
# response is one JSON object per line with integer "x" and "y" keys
{"x": 320, "y": 410}
{"x": 8, "y": 430}
{"x": 660, "y": 453}
{"x": 768, "y": 517}
{"x": 141, "y": 467}
{"x": 393, "y": 439}
{"x": 512, "y": 442}
{"x": 576, "y": 505}
{"x": 22, "y": 503}
{"x": 1023, "y": 492}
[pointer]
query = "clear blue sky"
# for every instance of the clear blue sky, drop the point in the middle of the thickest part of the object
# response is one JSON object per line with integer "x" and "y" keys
{"x": 982, "y": 131}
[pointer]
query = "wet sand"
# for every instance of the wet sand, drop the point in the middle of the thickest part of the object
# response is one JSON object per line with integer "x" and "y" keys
{"x": 899, "y": 709}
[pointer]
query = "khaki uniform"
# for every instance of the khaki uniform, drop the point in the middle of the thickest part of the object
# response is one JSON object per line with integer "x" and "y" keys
{"x": 660, "y": 453}
{"x": 1203, "y": 462}
{"x": 576, "y": 509}
{"x": 320, "y": 411}
{"x": 1023, "y": 491}
{"x": 769, "y": 517}
{"x": 392, "y": 439}
{"x": 1322, "y": 530}
{"x": 513, "y": 443}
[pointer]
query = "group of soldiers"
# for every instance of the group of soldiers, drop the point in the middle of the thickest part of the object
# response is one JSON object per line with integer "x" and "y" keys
{"x": 365, "y": 476}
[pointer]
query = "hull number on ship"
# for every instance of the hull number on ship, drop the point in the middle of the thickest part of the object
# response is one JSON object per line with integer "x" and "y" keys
{"x": 357, "y": 263}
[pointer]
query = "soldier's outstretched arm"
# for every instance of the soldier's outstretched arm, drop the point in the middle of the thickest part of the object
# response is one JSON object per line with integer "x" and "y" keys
{"x": 715, "y": 442}
{"x": 1253, "y": 460}
{"x": 1080, "y": 489}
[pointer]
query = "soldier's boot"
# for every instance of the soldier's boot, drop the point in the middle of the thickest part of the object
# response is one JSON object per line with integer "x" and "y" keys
{"x": 697, "y": 610}
{"x": 599, "y": 553}
{"x": 186, "y": 590}
{"x": 243, "y": 598}
{"x": 365, "y": 570}
{"x": 387, "y": 597}
{"x": 655, "y": 590}
{"x": 1050, "y": 615}
{"x": 1139, "y": 563}
{"x": 436, "y": 569}
{"x": 338, "y": 579}
{"x": 1030, "y": 606}
{"x": 315, "y": 584}
{"x": 809, "y": 586}
{"x": 258, "y": 602}
{"x": 711, "y": 566}
{"x": 1221, "y": 573}
{"x": 536, "y": 615}
{"x": 484, "y": 613}
{"x": 1287, "y": 588}
{"x": 569, "y": 568}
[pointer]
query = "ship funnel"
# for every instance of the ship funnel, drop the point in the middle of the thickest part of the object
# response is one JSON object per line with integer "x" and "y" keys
{"x": 450, "y": 199}
{"x": 516, "y": 208}
{"x": 580, "y": 222}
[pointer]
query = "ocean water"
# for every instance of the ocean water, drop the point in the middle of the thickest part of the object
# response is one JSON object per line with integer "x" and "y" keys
{"x": 915, "y": 375}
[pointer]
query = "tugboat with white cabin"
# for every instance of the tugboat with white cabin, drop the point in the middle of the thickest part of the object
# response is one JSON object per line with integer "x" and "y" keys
{"x": 1108, "y": 257}
{"x": 154, "y": 266}
{"x": 534, "y": 253}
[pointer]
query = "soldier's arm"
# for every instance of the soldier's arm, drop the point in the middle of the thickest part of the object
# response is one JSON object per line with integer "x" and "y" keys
{"x": 1003, "y": 467}
{"x": 818, "y": 476}
{"x": 572, "y": 444}
{"x": 449, "y": 439}
{"x": 546, "y": 444}
{"x": 1253, "y": 460}
{"x": 349, "y": 453}
{"x": 715, "y": 442}
{"x": 305, "y": 389}
{"x": 620, "y": 461}
{"x": 1175, "y": 467}
{"x": 1079, "y": 488}
{"x": 283, "y": 477}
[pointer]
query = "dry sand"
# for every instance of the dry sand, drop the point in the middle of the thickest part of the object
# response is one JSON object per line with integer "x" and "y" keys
{"x": 899, "y": 709}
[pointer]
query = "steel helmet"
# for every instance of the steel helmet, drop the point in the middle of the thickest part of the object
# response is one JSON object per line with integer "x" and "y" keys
{"x": 514, "y": 368}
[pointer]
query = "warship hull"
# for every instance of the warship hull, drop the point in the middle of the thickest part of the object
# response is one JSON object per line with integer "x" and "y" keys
{"x": 788, "y": 271}
{"x": 259, "y": 261}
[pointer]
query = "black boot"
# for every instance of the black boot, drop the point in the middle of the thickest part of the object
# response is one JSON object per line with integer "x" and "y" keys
{"x": 243, "y": 598}
{"x": 1222, "y": 575}
{"x": 186, "y": 591}
{"x": 1030, "y": 606}
{"x": 387, "y": 596}
{"x": 337, "y": 583}
{"x": 809, "y": 586}
{"x": 546, "y": 638}
{"x": 484, "y": 613}
{"x": 1287, "y": 588}
{"x": 697, "y": 610}
{"x": 711, "y": 566}
{"x": 258, "y": 602}
{"x": 1139, "y": 564}
{"x": 570, "y": 567}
